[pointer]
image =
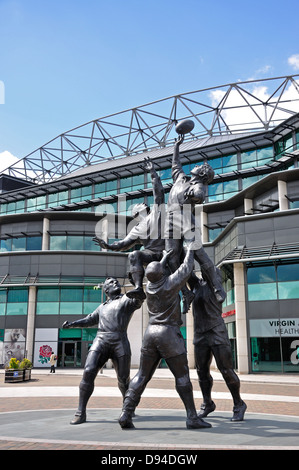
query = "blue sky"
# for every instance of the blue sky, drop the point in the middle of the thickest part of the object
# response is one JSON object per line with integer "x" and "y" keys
{"x": 66, "y": 62}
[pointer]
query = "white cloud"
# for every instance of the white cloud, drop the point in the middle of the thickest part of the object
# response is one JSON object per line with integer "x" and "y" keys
{"x": 293, "y": 61}
{"x": 237, "y": 113}
{"x": 7, "y": 159}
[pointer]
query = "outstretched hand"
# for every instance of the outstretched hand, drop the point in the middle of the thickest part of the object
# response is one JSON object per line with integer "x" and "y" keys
{"x": 100, "y": 242}
{"x": 180, "y": 140}
{"x": 148, "y": 166}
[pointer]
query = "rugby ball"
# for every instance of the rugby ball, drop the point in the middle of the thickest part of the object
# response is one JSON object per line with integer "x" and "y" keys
{"x": 184, "y": 127}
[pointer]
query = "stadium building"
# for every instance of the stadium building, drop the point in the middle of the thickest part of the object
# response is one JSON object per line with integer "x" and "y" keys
{"x": 84, "y": 182}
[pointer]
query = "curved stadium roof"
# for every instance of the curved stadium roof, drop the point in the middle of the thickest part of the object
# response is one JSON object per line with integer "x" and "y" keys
{"x": 224, "y": 111}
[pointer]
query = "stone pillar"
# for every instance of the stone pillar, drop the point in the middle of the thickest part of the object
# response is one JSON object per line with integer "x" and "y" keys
{"x": 248, "y": 206}
{"x": 241, "y": 321}
{"x": 189, "y": 338}
{"x": 282, "y": 192}
{"x": 46, "y": 236}
{"x": 204, "y": 228}
{"x": 30, "y": 322}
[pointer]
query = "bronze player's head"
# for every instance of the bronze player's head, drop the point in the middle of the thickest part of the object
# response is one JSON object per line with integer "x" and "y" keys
{"x": 111, "y": 287}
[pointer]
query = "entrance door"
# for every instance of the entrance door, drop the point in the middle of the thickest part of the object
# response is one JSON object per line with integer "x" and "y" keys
{"x": 71, "y": 354}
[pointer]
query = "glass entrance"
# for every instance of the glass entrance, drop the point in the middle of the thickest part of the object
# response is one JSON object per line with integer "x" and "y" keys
{"x": 71, "y": 354}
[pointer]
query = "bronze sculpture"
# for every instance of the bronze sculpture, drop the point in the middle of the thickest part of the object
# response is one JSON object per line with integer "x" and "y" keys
{"x": 148, "y": 232}
{"x": 167, "y": 274}
{"x": 211, "y": 339}
{"x": 163, "y": 339}
{"x": 181, "y": 224}
{"x": 111, "y": 342}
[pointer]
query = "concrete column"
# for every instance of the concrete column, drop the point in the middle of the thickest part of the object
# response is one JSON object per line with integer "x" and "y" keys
{"x": 248, "y": 206}
{"x": 46, "y": 236}
{"x": 189, "y": 338}
{"x": 30, "y": 322}
{"x": 282, "y": 192}
{"x": 241, "y": 322}
{"x": 204, "y": 229}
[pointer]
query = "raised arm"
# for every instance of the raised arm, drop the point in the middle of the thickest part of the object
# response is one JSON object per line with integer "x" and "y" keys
{"x": 176, "y": 166}
{"x": 91, "y": 320}
{"x": 158, "y": 190}
{"x": 178, "y": 279}
{"x": 122, "y": 245}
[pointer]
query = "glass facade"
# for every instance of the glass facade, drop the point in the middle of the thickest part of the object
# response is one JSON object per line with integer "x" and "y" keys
{"x": 273, "y": 282}
{"x": 67, "y": 300}
{"x": 224, "y": 165}
{"x": 73, "y": 242}
{"x": 14, "y": 301}
{"x": 274, "y": 341}
{"x": 21, "y": 243}
{"x": 274, "y": 334}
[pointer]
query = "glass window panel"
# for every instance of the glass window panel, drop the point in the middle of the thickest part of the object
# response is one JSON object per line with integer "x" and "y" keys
{"x": 89, "y": 334}
{"x": 18, "y": 308}
{"x": 288, "y": 290}
{"x": 86, "y": 191}
{"x": 41, "y": 202}
{"x": 288, "y": 142}
{"x": 90, "y": 245}
{"x": 19, "y": 244}
{"x": 75, "y": 242}
{"x": 230, "y": 163}
{"x": 33, "y": 243}
{"x": 215, "y": 189}
{"x": 2, "y": 310}
{"x": 5, "y": 245}
{"x": 71, "y": 308}
{"x": 264, "y": 154}
{"x": 90, "y": 307}
{"x": 217, "y": 197}
{"x": 248, "y": 159}
{"x": 215, "y": 163}
{"x": 230, "y": 298}
{"x": 100, "y": 189}
{"x": 17, "y": 294}
{"x": 110, "y": 208}
{"x": 58, "y": 242}
{"x": 138, "y": 182}
{"x": 20, "y": 206}
{"x": 3, "y": 295}
{"x": 63, "y": 196}
{"x": 11, "y": 207}
{"x": 48, "y": 294}
{"x": 92, "y": 295}
{"x": 230, "y": 186}
{"x": 31, "y": 204}
{"x": 126, "y": 182}
{"x": 262, "y": 292}
{"x": 261, "y": 274}
{"x": 3, "y": 208}
{"x": 73, "y": 333}
{"x": 71, "y": 294}
{"x": 111, "y": 188}
{"x": 75, "y": 194}
{"x": 213, "y": 233}
{"x": 246, "y": 182}
{"x": 47, "y": 308}
{"x": 52, "y": 199}
{"x": 164, "y": 174}
{"x": 265, "y": 353}
{"x": 288, "y": 272}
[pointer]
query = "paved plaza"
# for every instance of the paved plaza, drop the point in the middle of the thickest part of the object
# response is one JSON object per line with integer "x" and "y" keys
{"x": 35, "y": 415}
